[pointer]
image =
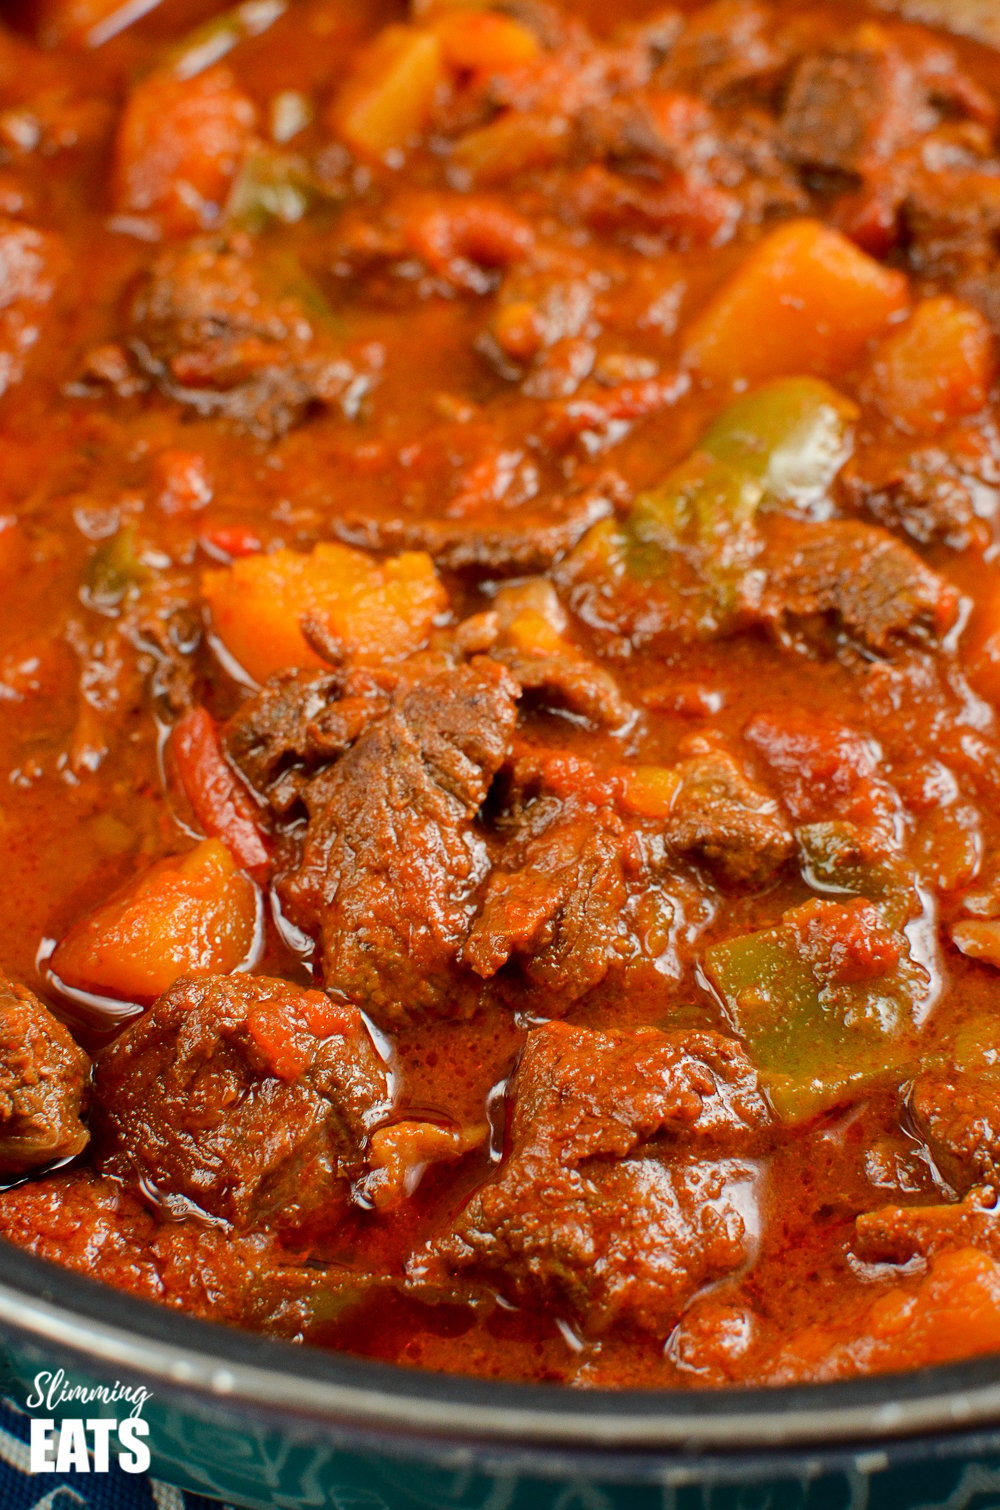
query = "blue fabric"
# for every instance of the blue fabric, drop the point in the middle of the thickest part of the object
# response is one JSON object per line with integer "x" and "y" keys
{"x": 114, "y": 1490}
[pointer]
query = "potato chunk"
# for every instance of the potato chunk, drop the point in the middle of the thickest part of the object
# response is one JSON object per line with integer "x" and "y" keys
{"x": 367, "y": 609}
{"x": 193, "y": 914}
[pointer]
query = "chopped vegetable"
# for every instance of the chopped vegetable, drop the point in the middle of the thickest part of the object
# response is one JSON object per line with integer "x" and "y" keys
{"x": 400, "y": 1153}
{"x": 179, "y": 146}
{"x": 694, "y": 537}
{"x": 388, "y": 101}
{"x": 219, "y": 800}
{"x": 271, "y": 186}
{"x": 936, "y": 368}
{"x": 825, "y": 1002}
{"x": 114, "y": 572}
{"x": 791, "y": 435}
{"x": 364, "y": 609}
{"x": 286, "y": 1053}
{"x": 191, "y": 915}
{"x": 483, "y": 39}
{"x": 976, "y": 1049}
{"x": 841, "y": 858}
{"x": 979, "y": 938}
{"x": 511, "y": 144}
{"x": 650, "y": 790}
{"x": 805, "y": 300}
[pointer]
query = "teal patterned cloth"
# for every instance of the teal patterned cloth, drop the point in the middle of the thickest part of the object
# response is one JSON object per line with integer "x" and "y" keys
{"x": 22, "y": 1490}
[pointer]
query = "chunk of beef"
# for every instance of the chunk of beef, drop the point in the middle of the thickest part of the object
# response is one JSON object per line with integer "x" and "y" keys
{"x": 569, "y": 681}
{"x": 727, "y": 53}
{"x": 44, "y": 1076}
{"x": 897, "y": 1234}
{"x": 848, "y": 109}
{"x": 164, "y": 622}
{"x": 874, "y": 588}
{"x": 526, "y": 631}
{"x": 512, "y": 545}
{"x": 100, "y": 1229}
{"x": 935, "y": 494}
{"x": 298, "y": 720}
{"x": 956, "y": 1111}
{"x": 244, "y": 1097}
{"x": 32, "y": 264}
{"x": 626, "y": 1179}
{"x": 952, "y": 218}
{"x": 226, "y": 334}
{"x": 392, "y": 859}
{"x": 556, "y": 901}
{"x": 951, "y": 224}
{"x": 723, "y": 819}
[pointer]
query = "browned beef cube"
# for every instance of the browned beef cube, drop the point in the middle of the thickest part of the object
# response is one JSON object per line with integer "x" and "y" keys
{"x": 873, "y": 588}
{"x": 557, "y": 902}
{"x": 392, "y": 857}
{"x": 849, "y": 109}
{"x": 107, "y": 1232}
{"x": 44, "y": 1076}
{"x": 957, "y": 1113}
{"x": 723, "y": 819}
{"x": 243, "y": 1097}
{"x": 627, "y": 1180}
{"x": 225, "y": 334}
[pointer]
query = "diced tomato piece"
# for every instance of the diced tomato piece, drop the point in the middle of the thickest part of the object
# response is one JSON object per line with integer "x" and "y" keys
{"x": 219, "y": 800}
{"x": 182, "y": 483}
{"x": 806, "y": 300}
{"x": 851, "y": 941}
{"x": 194, "y": 914}
{"x": 287, "y": 1053}
{"x": 462, "y": 234}
{"x": 180, "y": 143}
{"x": 230, "y": 541}
{"x": 369, "y": 609}
{"x": 936, "y": 368}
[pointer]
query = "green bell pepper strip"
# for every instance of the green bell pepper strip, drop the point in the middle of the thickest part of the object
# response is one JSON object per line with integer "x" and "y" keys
{"x": 791, "y": 436}
{"x": 822, "y": 1035}
{"x": 840, "y": 858}
{"x": 694, "y": 538}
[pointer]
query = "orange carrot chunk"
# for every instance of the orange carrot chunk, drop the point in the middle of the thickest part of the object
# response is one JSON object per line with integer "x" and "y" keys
{"x": 806, "y": 300}
{"x": 192, "y": 914}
